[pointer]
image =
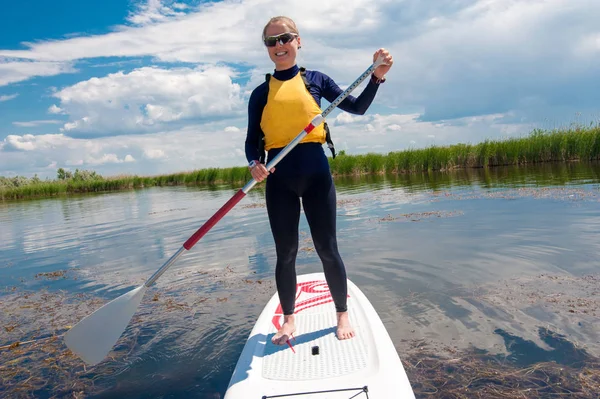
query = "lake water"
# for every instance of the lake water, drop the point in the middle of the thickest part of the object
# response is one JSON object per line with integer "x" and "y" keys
{"x": 478, "y": 260}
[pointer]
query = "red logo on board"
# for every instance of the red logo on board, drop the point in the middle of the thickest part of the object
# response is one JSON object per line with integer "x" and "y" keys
{"x": 308, "y": 295}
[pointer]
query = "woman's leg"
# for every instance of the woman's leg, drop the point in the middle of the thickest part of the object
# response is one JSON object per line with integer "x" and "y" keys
{"x": 319, "y": 202}
{"x": 283, "y": 208}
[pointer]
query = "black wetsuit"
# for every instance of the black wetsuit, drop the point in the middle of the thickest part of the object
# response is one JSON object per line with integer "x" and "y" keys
{"x": 304, "y": 173}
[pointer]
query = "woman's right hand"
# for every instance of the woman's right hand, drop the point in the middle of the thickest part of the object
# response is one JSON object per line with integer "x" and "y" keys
{"x": 259, "y": 172}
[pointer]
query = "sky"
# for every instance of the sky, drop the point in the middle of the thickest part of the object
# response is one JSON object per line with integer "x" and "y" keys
{"x": 153, "y": 87}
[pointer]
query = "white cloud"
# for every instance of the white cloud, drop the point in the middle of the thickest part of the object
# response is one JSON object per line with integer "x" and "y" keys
{"x": 37, "y": 123}
{"x": 107, "y": 158}
{"x": 8, "y": 97}
{"x": 154, "y": 11}
{"x": 204, "y": 146}
{"x": 180, "y": 6}
{"x": 195, "y": 146}
{"x": 19, "y": 143}
{"x": 345, "y": 118}
{"x": 489, "y": 56}
{"x": 147, "y": 98}
{"x": 396, "y": 132}
{"x": 231, "y": 129}
{"x": 154, "y": 153}
{"x": 216, "y": 32}
{"x": 54, "y": 109}
{"x": 12, "y": 72}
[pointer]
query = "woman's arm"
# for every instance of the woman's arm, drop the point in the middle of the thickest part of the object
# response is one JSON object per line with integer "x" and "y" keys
{"x": 360, "y": 104}
{"x": 256, "y": 103}
{"x": 354, "y": 105}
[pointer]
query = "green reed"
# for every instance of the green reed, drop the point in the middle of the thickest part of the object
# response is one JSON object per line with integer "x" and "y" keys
{"x": 564, "y": 145}
{"x": 577, "y": 144}
{"x": 40, "y": 189}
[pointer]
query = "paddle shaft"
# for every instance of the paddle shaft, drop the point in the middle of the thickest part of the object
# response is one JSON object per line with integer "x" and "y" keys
{"x": 237, "y": 197}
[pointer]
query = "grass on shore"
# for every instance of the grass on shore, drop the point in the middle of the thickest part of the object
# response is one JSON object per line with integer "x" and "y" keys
{"x": 580, "y": 144}
{"x": 575, "y": 144}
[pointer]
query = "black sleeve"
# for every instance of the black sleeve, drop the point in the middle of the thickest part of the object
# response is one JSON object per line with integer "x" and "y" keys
{"x": 354, "y": 105}
{"x": 256, "y": 104}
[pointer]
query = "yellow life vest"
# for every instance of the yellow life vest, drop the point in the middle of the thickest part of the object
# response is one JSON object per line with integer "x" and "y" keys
{"x": 289, "y": 109}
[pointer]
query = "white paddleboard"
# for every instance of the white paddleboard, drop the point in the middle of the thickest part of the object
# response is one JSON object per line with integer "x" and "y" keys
{"x": 316, "y": 365}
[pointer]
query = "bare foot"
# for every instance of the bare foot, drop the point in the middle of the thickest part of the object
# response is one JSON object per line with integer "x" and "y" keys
{"x": 344, "y": 329}
{"x": 286, "y": 330}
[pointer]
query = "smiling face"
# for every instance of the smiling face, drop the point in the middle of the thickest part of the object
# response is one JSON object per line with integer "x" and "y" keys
{"x": 283, "y": 55}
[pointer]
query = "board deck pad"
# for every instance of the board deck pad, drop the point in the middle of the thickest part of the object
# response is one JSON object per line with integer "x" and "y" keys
{"x": 315, "y": 364}
{"x": 316, "y": 328}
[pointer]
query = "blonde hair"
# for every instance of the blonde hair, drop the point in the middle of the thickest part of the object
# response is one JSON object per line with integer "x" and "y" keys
{"x": 286, "y": 20}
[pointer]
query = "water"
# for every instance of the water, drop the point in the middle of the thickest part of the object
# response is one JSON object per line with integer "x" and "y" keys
{"x": 456, "y": 262}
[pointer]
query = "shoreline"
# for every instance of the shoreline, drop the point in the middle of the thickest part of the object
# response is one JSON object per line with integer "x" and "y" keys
{"x": 568, "y": 146}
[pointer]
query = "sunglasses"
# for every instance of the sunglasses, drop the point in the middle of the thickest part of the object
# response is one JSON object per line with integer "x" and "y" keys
{"x": 283, "y": 38}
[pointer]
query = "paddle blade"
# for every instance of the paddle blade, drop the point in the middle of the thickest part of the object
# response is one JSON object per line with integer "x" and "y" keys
{"x": 94, "y": 336}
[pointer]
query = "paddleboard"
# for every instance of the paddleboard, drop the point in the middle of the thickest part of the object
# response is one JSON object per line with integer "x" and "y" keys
{"x": 315, "y": 364}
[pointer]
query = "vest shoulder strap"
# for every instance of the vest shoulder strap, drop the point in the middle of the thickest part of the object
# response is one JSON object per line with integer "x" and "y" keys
{"x": 325, "y": 125}
{"x": 304, "y": 79}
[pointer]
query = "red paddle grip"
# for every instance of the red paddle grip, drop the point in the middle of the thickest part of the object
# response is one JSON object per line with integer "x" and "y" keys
{"x": 213, "y": 220}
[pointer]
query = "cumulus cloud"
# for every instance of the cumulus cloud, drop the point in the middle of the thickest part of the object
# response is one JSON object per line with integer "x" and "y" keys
{"x": 202, "y": 146}
{"x": 54, "y": 109}
{"x": 346, "y": 118}
{"x": 147, "y": 98}
{"x": 194, "y": 146}
{"x": 107, "y": 158}
{"x": 397, "y": 132}
{"x": 19, "y": 143}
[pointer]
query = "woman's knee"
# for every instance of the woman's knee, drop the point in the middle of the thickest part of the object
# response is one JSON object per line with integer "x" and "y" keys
{"x": 287, "y": 254}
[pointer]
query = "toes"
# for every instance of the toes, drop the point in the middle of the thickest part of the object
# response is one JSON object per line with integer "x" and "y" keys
{"x": 345, "y": 334}
{"x": 280, "y": 340}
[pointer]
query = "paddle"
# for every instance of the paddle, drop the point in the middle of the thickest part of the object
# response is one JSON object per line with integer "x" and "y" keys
{"x": 95, "y": 335}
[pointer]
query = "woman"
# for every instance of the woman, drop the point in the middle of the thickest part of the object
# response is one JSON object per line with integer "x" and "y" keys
{"x": 281, "y": 108}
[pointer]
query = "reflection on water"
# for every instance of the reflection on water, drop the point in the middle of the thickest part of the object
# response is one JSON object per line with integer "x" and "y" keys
{"x": 457, "y": 260}
{"x": 526, "y": 353}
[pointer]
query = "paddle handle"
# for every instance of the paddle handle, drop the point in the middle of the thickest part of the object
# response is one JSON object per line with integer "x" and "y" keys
{"x": 214, "y": 219}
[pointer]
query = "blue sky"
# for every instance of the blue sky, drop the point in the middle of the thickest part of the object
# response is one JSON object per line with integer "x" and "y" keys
{"x": 151, "y": 87}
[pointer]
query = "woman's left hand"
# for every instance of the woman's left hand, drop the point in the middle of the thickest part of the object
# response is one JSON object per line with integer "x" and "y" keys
{"x": 381, "y": 70}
